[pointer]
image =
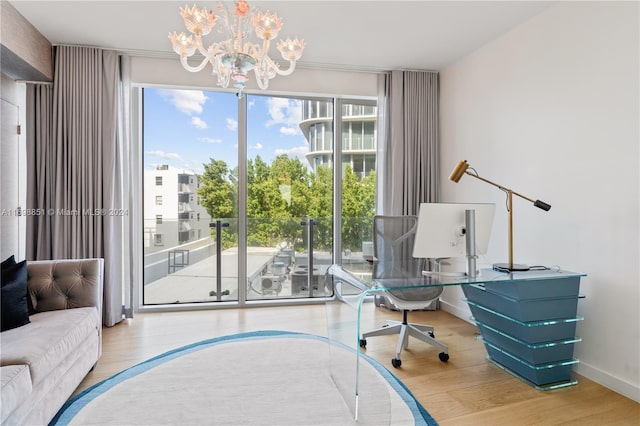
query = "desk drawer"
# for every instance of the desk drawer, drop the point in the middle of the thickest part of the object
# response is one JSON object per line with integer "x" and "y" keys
{"x": 529, "y": 332}
{"x": 523, "y": 310}
{"x": 540, "y": 375}
{"x": 536, "y": 289}
{"x": 533, "y": 353}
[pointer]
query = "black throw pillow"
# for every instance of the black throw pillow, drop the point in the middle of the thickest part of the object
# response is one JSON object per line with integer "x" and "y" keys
{"x": 10, "y": 261}
{"x": 13, "y": 297}
{"x": 8, "y": 271}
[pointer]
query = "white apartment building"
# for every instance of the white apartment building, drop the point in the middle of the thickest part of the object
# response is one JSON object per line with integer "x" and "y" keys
{"x": 358, "y": 134}
{"x": 172, "y": 212}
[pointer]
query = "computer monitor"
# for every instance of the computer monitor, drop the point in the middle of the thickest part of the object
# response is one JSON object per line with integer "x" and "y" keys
{"x": 441, "y": 229}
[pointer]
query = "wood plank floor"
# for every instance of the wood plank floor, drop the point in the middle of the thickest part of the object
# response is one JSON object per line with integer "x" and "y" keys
{"x": 467, "y": 390}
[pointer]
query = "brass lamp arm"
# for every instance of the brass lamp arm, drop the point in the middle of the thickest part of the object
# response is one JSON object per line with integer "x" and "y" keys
{"x": 500, "y": 186}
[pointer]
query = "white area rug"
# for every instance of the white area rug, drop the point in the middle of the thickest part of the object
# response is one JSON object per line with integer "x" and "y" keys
{"x": 258, "y": 378}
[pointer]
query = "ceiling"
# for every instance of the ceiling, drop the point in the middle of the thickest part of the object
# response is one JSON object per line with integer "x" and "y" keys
{"x": 351, "y": 35}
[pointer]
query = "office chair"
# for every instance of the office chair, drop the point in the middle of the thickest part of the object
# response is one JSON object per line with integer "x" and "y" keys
{"x": 393, "y": 238}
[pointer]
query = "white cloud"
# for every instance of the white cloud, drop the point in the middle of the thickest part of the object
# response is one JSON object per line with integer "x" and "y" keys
{"x": 257, "y": 146}
{"x": 196, "y": 167}
{"x": 289, "y": 131}
{"x": 232, "y": 124}
{"x": 198, "y": 122}
{"x": 287, "y": 112}
{"x": 209, "y": 140}
{"x": 166, "y": 155}
{"x": 188, "y": 101}
{"x": 298, "y": 151}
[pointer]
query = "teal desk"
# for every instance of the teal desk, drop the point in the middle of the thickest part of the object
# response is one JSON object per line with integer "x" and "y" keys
{"x": 527, "y": 320}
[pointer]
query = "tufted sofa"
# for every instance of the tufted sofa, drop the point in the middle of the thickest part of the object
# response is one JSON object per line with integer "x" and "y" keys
{"x": 44, "y": 361}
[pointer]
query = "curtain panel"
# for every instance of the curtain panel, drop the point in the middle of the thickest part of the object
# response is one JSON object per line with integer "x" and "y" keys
{"x": 408, "y": 141}
{"x": 74, "y": 158}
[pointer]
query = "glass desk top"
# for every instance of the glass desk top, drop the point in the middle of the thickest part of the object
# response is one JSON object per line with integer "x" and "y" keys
{"x": 360, "y": 278}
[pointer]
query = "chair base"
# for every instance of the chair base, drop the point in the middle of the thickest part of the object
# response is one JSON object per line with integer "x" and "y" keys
{"x": 404, "y": 329}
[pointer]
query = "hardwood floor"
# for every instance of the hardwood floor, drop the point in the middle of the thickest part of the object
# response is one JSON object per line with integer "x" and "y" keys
{"x": 467, "y": 390}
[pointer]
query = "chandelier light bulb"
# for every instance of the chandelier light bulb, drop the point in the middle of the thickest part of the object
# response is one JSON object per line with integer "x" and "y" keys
{"x": 267, "y": 26}
{"x": 182, "y": 44}
{"x": 291, "y": 50}
{"x": 198, "y": 21}
{"x": 237, "y": 55}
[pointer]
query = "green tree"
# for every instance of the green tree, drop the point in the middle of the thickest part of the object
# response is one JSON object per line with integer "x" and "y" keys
{"x": 218, "y": 193}
{"x": 358, "y": 208}
{"x": 320, "y": 206}
{"x": 218, "y": 190}
{"x": 281, "y": 194}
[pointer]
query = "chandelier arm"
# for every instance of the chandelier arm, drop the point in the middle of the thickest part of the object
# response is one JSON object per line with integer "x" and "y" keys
{"x": 292, "y": 67}
{"x": 237, "y": 46}
{"x": 203, "y": 51}
{"x": 214, "y": 50}
{"x": 200, "y": 47}
{"x": 223, "y": 78}
{"x": 252, "y": 49}
{"x": 185, "y": 64}
{"x": 263, "y": 83}
{"x": 270, "y": 64}
{"x": 266, "y": 45}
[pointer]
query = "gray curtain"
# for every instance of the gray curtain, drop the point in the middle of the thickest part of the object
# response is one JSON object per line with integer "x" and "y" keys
{"x": 408, "y": 141}
{"x": 74, "y": 157}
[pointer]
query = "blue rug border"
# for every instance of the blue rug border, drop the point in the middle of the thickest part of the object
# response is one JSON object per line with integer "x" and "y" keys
{"x": 73, "y": 406}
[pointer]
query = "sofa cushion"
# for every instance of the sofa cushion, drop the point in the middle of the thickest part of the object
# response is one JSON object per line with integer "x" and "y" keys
{"x": 16, "y": 387}
{"x": 48, "y": 339}
{"x": 13, "y": 298}
{"x": 64, "y": 284}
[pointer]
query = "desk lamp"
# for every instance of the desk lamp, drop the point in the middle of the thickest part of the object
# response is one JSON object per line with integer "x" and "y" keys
{"x": 462, "y": 169}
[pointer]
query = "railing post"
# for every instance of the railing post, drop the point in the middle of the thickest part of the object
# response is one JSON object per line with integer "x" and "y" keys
{"x": 218, "y": 292}
{"x": 310, "y": 223}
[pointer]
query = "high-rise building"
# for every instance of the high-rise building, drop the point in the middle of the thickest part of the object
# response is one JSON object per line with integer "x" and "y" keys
{"x": 358, "y": 134}
{"x": 173, "y": 214}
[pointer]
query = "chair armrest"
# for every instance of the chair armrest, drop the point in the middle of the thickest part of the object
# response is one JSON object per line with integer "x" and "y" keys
{"x": 66, "y": 283}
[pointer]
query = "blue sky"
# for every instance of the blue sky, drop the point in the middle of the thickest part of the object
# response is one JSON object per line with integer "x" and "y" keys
{"x": 185, "y": 128}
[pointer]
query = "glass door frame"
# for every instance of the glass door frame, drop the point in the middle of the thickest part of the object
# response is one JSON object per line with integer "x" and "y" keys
{"x": 136, "y": 286}
{"x": 242, "y": 202}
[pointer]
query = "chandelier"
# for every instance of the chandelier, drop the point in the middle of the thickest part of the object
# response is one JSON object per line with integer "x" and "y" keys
{"x": 236, "y": 55}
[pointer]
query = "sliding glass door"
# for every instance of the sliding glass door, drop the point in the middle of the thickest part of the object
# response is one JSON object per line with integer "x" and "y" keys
{"x": 190, "y": 197}
{"x": 289, "y": 196}
{"x": 358, "y": 138}
{"x": 239, "y": 194}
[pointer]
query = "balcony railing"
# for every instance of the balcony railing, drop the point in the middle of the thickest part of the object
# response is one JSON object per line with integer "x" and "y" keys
{"x": 286, "y": 259}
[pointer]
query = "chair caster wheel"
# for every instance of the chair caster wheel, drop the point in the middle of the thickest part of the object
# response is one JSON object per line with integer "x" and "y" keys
{"x": 363, "y": 343}
{"x": 444, "y": 357}
{"x": 396, "y": 362}
{"x": 433, "y": 336}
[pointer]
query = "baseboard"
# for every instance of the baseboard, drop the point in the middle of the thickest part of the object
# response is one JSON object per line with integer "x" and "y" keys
{"x": 454, "y": 310}
{"x": 616, "y": 384}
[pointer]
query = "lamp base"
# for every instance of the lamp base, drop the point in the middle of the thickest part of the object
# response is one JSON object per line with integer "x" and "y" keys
{"x": 506, "y": 267}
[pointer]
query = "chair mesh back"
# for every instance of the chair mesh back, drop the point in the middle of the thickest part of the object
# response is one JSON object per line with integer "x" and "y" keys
{"x": 393, "y": 238}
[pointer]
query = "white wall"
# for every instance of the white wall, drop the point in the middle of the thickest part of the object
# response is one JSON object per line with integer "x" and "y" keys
{"x": 551, "y": 109}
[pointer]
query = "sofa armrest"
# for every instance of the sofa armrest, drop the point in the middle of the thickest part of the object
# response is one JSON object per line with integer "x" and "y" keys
{"x": 65, "y": 283}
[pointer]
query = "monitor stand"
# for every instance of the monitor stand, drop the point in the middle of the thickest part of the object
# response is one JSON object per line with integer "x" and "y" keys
{"x": 505, "y": 267}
